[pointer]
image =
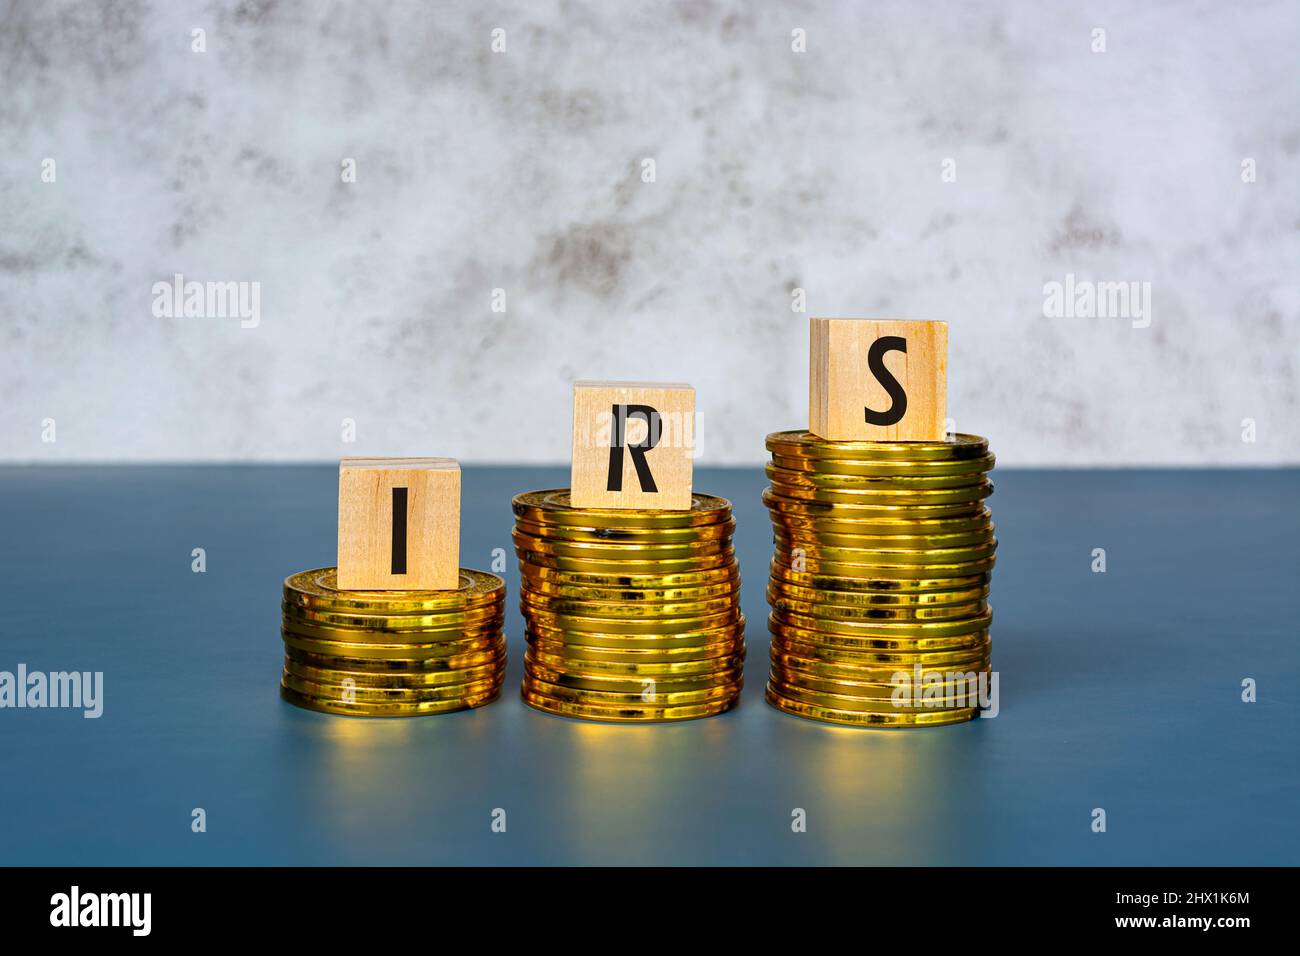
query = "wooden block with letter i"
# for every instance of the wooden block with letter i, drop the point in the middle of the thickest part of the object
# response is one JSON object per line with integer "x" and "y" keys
{"x": 399, "y": 524}
{"x": 878, "y": 380}
{"x": 633, "y": 445}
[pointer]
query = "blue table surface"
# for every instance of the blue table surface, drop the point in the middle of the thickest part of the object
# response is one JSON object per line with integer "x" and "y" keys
{"x": 1119, "y": 690}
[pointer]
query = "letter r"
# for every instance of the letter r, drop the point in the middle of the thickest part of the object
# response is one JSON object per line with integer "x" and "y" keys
{"x": 617, "y": 439}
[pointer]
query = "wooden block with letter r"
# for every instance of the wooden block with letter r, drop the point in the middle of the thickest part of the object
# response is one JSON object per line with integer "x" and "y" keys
{"x": 633, "y": 445}
{"x": 878, "y": 380}
{"x": 399, "y": 524}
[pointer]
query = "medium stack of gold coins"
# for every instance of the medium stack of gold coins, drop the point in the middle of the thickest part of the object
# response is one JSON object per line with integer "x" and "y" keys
{"x": 392, "y": 653}
{"x": 880, "y": 578}
{"x": 630, "y": 615}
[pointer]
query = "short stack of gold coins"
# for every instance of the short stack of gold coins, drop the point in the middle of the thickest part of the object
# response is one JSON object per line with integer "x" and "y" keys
{"x": 392, "y": 653}
{"x": 630, "y": 615}
{"x": 879, "y": 578}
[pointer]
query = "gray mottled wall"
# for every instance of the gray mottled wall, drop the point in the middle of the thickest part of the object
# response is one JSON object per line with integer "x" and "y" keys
{"x": 522, "y": 171}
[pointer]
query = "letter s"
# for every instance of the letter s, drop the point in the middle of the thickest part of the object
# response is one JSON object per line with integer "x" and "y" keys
{"x": 876, "y": 365}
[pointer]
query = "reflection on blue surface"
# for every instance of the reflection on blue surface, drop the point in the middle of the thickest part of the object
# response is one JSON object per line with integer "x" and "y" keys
{"x": 1119, "y": 690}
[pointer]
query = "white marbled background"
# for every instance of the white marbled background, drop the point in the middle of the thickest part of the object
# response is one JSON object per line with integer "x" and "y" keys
{"x": 522, "y": 170}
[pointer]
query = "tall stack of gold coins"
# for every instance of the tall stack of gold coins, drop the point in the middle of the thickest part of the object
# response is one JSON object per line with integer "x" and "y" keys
{"x": 392, "y": 653}
{"x": 631, "y": 615}
{"x": 880, "y": 578}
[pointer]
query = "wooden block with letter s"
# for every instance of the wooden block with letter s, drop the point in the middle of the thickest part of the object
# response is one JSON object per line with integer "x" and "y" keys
{"x": 399, "y": 524}
{"x": 878, "y": 380}
{"x": 633, "y": 445}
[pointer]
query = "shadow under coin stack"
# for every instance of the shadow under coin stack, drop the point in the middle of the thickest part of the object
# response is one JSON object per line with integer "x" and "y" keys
{"x": 392, "y": 653}
{"x": 631, "y": 615}
{"x": 883, "y": 558}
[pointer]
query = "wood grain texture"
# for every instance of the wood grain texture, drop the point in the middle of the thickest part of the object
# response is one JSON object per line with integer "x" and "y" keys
{"x": 666, "y": 467}
{"x": 367, "y": 558}
{"x": 854, "y": 396}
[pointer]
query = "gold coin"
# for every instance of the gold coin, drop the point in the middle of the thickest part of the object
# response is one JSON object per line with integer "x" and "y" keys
{"x": 372, "y": 635}
{"x": 948, "y": 496}
{"x": 788, "y": 651}
{"x": 808, "y": 445}
{"x": 933, "y": 612}
{"x": 402, "y": 652}
{"x": 620, "y": 552}
{"x": 864, "y": 581}
{"x": 432, "y": 665}
{"x": 389, "y": 709}
{"x": 319, "y": 589}
{"x": 958, "y": 692}
{"x": 828, "y": 630}
{"x": 869, "y": 705}
{"x": 796, "y": 647}
{"x": 855, "y": 600}
{"x": 665, "y": 639}
{"x": 798, "y": 537}
{"x": 367, "y": 678}
{"x": 627, "y": 536}
{"x": 812, "y": 564}
{"x": 874, "y": 484}
{"x": 632, "y": 627}
{"x": 650, "y": 567}
{"x": 863, "y": 719}
{"x": 559, "y": 590}
{"x": 666, "y": 636}
{"x": 804, "y": 507}
{"x": 643, "y": 686}
{"x": 876, "y": 705}
{"x": 635, "y": 655}
{"x": 554, "y": 507}
{"x": 807, "y": 539}
{"x": 894, "y": 558}
{"x": 884, "y": 469}
{"x": 534, "y": 575}
{"x": 635, "y": 670}
{"x": 423, "y": 623}
{"x": 629, "y": 609}
{"x": 980, "y": 520}
{"x": 658, "y": 697}
{"x": 816, "y": 564}
{"x": 877, "y": 674}
{"x": 368, "y": 694}
{"x": 625, "y": 714}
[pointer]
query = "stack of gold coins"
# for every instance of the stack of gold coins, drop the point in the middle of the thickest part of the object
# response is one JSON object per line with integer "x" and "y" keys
{"x": 392, "y": 653}
{"x": 880, "y": 579}
{"x": 630, "y": 615}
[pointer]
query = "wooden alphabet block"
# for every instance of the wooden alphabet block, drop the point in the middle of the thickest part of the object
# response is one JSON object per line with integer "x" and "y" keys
{"x": 633, "y": 445}
{"x": 875, "y": 380}
{"x": 399, "y": 524}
